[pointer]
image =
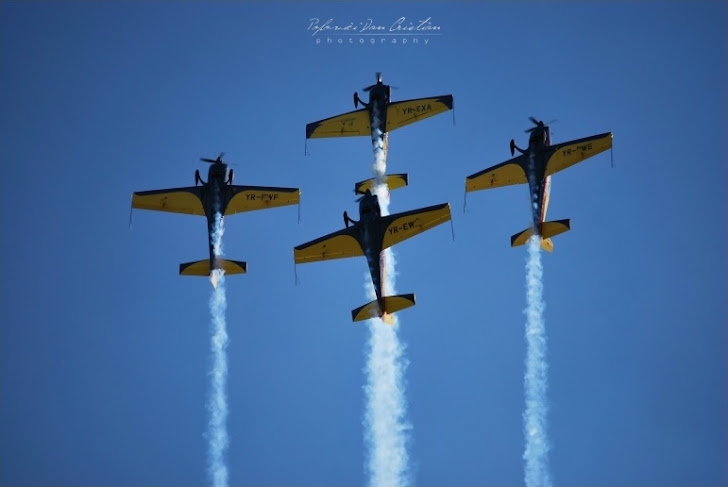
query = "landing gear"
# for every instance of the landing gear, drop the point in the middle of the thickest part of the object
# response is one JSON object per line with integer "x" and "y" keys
{"x": 514, "y": 147}
{"x": 230, "y": 177}
{"x": 348, "y": 220}
{"x": 198, "y": 179}
{"x": 358, "y": 100}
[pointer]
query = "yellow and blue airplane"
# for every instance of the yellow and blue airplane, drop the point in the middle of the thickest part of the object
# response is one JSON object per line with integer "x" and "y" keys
{"x": 535, "y": 166}
{"x": 378, "y": 114}
{"x": 217, "y": 195}
{"x": 369, "y": 237}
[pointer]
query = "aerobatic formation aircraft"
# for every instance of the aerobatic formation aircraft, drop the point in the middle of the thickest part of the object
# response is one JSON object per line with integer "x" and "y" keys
{"x": 379, "y": 113}
{"x": 369, "y": 237}
{"x": 217, "y": 195}
{"x": 534, "y": 166}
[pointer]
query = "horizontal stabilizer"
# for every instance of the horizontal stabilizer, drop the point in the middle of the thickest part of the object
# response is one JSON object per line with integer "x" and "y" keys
{"x": 551, "y": 229}
{"x": 392, "y": 304}
{"x": 202, "y": 267}
{"x": 548, "y": 230}
{"x": 394, "y": 181}
{"x": 521, "y": 238}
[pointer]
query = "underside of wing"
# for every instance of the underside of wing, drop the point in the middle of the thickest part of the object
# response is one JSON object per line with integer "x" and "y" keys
{"x": 401, "y": 226}
{"x": 346, "y": 125}
{"x": 249, "y": 198}
{"x": 510, "y": 172}
{"x": 178, "y": 200}
{"x": 337, "y": 245}
{"x": 569, "y": 153}
{"x": 403, "y": 113}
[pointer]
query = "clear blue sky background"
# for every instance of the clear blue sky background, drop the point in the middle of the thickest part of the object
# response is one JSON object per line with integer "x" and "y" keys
{"x": 104, "y": 348}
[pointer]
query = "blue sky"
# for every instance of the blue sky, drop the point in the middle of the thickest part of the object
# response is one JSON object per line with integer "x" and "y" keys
{"x": 104, "y": 348}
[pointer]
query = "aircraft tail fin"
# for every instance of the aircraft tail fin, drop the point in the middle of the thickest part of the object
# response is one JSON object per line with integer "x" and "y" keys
{"x": 394, "y": 181}
{"x": 202, "y": 267}
{"x": 392, "y": 304}
{"x": 548, "y": 230}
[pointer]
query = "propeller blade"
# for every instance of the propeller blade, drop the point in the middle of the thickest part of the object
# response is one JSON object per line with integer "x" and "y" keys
{"x": 213, "y": 161}
{"x": 379, "y": 80}
{"x": 532, "y": 119}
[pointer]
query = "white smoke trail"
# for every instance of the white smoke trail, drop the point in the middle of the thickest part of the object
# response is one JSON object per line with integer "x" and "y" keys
{"x": 386, "y": 413}
{"x": 386, "y": 425}
{"x": 217, "y": 405}
{"x": 537, "y": 471}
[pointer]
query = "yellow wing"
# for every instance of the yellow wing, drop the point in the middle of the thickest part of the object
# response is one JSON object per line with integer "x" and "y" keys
{"x": 504, "y": 174}
{"x": 567, "y": 154}
{"x": 337, "y": 245}
{"x": 346, "y": 125}
{"x": 178, "y": 200}
{"x": 248, "y": 198}
{"x": 401, "y": 226}
{"x": 403, "y": 113}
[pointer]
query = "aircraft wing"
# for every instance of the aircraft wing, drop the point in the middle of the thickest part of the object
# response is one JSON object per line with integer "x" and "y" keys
{"x": 401, "y": 226}
{"x": 346, "y": 125}
{"x": 179, "y": 200}
{"x": 403, "y": 113}
{"x": 569, "y": 153}
{"x": 513, "y": 171}
{"x": 337, "y": 245}
{"x": 248, "y": 198}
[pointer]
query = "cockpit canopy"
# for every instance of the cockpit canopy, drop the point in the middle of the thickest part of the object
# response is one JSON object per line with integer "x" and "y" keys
{"x": 217, "y": 171}
{"x": 540, "y": 135}
{"x": 369, "y": 205}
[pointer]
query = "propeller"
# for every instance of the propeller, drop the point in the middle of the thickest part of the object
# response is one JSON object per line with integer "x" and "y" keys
{"x": 379, "y": 80}
{"x": 213, "y": 161}
{"x": 538, "y": 125}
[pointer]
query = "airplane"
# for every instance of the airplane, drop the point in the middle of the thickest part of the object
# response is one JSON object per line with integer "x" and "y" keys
{"x": 535, "y": 166}
{"x": 369, "y": 237}
{"x": 379, "y": 116}
{"x": 379, "y": 113}
{"x": 217, "y": 195}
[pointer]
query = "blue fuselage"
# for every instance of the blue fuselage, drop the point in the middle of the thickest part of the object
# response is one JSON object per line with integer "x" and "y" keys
{"x": 538, "y": 183}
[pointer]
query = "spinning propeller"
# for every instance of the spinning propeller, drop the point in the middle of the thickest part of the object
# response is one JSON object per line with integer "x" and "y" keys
{"x": 379, "y": 81}
{"x": 358, "y": 100}
{"x": 213, "y": 161}
{"x": 538, "y": 124}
